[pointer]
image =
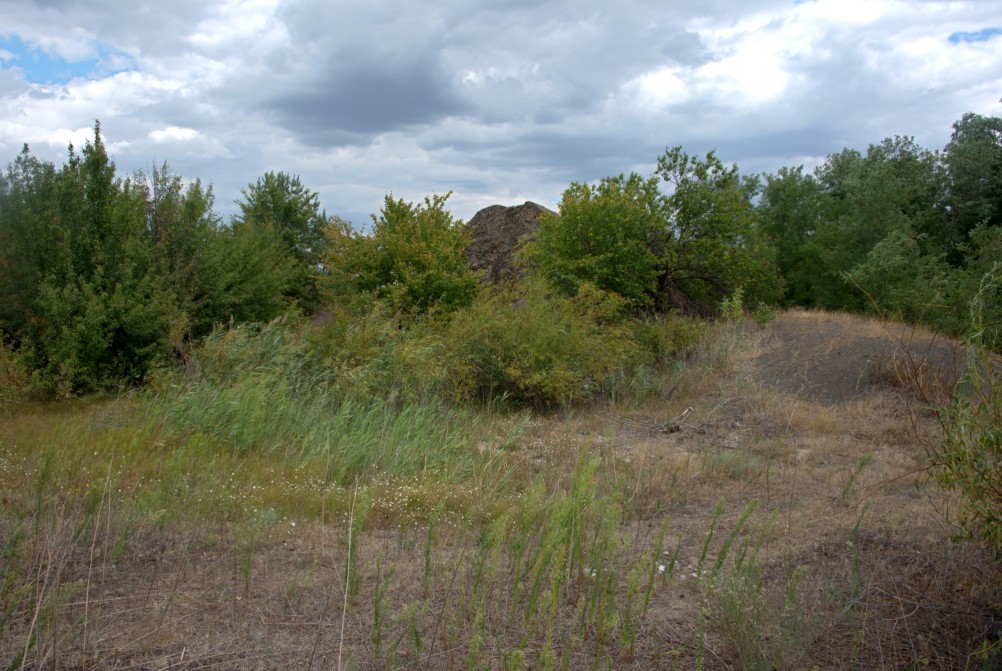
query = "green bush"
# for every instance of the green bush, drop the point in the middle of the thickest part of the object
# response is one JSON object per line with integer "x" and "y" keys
{"x": 13, "y": 380}
{"x": 537, "y": 349}
{"x": 601, "y": 237}
{"x": 665, "y": 337}
{"x": 764, "y": 313}
{"x": 526, "y": 345}
{"x": 732, "y": 308}
{"x": 970, "y": 459}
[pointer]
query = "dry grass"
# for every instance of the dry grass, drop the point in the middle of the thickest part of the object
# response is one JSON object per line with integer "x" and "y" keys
{"x": 125, "y": 550}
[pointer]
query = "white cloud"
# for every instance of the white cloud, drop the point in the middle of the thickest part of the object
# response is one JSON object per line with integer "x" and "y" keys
{"x": 173, "y": 133}
{"x": 498, "y": 101}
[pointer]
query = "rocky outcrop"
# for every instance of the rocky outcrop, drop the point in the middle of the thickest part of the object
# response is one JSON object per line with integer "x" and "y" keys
{"x": 497, "y": 231}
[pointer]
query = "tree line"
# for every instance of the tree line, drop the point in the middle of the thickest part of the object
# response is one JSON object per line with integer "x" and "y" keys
{"x": 104, "y": 278}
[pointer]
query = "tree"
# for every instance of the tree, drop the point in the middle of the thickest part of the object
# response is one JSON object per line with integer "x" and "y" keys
{"x": 250, "y": 277}
{"x": 279, "y": 202}
{"x": 709, "y": 243}
{"x": 184, "y": 230}
{"x": 896, "y": 188}
{"x": 29, "y": 239}
{"x": 685, "y": 247}
{"x": 101, "y": 315}
{"x": 602, "y": 236}
{"x": 413, "y": 259}
{"x": 790, "y": 212}
{"x": 973, "y": 161}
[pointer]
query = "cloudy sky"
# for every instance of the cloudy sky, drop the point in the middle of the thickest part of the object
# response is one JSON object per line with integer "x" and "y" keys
{"x": 499, "y": 101}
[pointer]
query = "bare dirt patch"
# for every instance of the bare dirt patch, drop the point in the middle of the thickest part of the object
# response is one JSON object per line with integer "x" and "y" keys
{"x": 832, "y": 359}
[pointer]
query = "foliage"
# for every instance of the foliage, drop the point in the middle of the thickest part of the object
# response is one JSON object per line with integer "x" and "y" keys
{"x": 413, "y": 259}
{"x": 279, "y": 204}
{"x": 29, "y": 238}
{"x": 252, "y": 277}
{"x": 899, "y": 229}
{"x": 13, "y": 380}
{"x": 710, "y": 242}
{"x": 102, "y": 278}
{"x": 893, "y": 188}
{"x": 973, "y": 160}
{"x": 791, "y": 211}
{"x": 183, "y": 231}
{"x": 970, "y": 459}
{"x": 522, "y": 345}
{"x": 533, "y": 349}
{"x": 601, "y": 237}
{"x": 94, "y": 313}
{"x": 901, "y": 280}
{"x": 732, "y": 308}
{"x": 685, "y": 248}
{"x": 764, "y": 313}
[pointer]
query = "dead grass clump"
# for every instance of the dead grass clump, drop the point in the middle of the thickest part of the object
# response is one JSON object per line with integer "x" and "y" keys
{"x": 929, "y": 375}
{"x": 909, "y": 604}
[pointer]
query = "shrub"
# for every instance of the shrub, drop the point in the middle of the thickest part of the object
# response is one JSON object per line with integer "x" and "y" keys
{"x": 732, "y": 308}
{"x": 666, "y": 336}
{"x": 601, "y": 237}
{"x": 970, "y": 459}
{"x": 764, "y": 313}
{"x": 537, "y": 349}
{"x": 13, "y": 380}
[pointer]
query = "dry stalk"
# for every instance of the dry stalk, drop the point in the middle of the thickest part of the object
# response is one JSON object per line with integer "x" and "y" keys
{"x": 347, "y": 574}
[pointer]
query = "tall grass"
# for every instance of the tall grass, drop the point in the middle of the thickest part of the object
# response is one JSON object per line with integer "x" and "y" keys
{"x": 266, "y": 393}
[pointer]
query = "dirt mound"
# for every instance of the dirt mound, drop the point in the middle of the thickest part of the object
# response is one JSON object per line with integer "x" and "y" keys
{"x": 497, "y": 231}
{"x": 832, "y": 358}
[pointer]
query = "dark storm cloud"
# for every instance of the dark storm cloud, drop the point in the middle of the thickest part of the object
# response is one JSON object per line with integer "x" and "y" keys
{"x": 365, "y": 99}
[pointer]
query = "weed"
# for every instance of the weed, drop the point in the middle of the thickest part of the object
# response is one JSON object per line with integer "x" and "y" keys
{"x": 764, "y": 314}
{"x": 380, "y": 604}
{"x": 863, "y": 462}
{"x": 732, "y": 309}
{"x": 717, "y": 512}
{"x": 767, "y": 627}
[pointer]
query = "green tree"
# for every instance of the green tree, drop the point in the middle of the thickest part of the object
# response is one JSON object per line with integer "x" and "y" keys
{"x": 602, "y": 237}
{"x": 250, "y": 277}
{"x": 791, "y": 210}
{"x": 900, "y": 279}
{"x": 279, "y": 202}
{"x": 29, "y": 239}
{"x": 709, "y": 243}
{"x": 413, "y": 258}
{"x": 896, "y": 187}
{"x": 973, "y": 161}
{"x": 685, "y": 247}
{"x": 183, "y": 230}
{"x": 102, "y": 315}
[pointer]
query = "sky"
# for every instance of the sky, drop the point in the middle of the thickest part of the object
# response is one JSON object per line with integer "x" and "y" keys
{"x": 497, "y": 101}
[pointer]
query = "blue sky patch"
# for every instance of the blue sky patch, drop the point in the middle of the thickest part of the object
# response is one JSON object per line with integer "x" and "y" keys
{"x": 40, "y": 67}
{"x": 982, "y": 35}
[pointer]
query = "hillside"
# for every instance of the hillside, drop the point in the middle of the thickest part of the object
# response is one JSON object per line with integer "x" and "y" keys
{"x": 771, "y": 509}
